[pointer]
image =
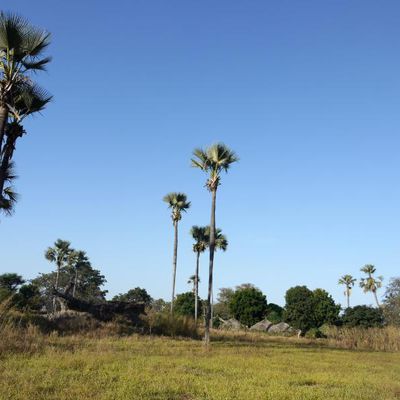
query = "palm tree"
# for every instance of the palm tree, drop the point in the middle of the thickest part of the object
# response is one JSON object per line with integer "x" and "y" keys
{"x": 21, "y": 55}
{"x": 371, "y": 284}
{"x": 192, "y": 281}
{"x": 178, "y": 203}
{"x": 58, "y": 254}
{"x": 77, "y": 259}
{"x": 348, "y": 281}
{"x": 199, "y": 234}
{"x": 8, "y": 197}
{"x": 213, "y": 160}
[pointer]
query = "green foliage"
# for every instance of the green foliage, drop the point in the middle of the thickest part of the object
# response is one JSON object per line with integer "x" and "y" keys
{"x": 177, "y": 202}
{"x": 363, "y": 316}
{"x": 325, "y": 309}
{"x": 10, "y": 281}
{"x": 274, "y": 313}
{"x": 248, "y": 305}
{"x": 28, "y": 298}
{"x": 314, "y": 333}
{"x": 306, "y": 309}
{"x": 391, "y": 302}
{"x": 184, "y": 304}
{"x": 136, "y": 295}
{"x": 299, "y": 309}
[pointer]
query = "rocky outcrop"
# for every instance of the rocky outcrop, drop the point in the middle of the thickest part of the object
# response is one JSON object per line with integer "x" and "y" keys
{"x": 106, "y": 311}
{"x": 262, "y": 326}
{"x": 231, "y": 324}
{"x": 282, "y": 327}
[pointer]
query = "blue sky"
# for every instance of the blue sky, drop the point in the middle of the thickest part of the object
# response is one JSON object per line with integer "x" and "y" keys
{"x": 307, "y": 93}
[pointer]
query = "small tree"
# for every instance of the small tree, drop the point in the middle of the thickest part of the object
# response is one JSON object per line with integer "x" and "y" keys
{"x": 391, "y": 302}
{"x": 185, "y": 304}
{"x": 248, "y": 305}
{"x": 136, "y": 295}
{"x": 274, "y": 313}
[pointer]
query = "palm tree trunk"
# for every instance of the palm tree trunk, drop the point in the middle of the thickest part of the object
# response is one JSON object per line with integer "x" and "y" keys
{"x": 348, "y": 298}
{"x": 174, "y": 262}
{"x": 376, "y": 298}
{"x": 75, "y": 282}
{"x": 3, "y": 122}
{"x": 211, "y": 267}
{"x": 56, "y": 286}
{"x": 196, "y": 287}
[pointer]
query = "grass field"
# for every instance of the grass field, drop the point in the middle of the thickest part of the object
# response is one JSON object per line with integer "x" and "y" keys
{"x": 159, "y": 368}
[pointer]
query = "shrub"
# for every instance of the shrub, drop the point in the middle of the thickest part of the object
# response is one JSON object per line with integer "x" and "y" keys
{"x": 363, "y": 316}
{"x": 184, "y": 304}
{"x": 314, "y": 333}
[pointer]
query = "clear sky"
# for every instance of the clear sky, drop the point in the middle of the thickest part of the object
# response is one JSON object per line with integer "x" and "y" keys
{"x": 306, "y": 92}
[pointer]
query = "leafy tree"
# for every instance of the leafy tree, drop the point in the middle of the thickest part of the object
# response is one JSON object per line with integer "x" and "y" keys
{"x": 221, "y": 308}
{"x": 325, "y": 309}
{"x": 28, "y": 298}
{"x": 11, "y": 281}
{"x": 88, "y": 286}
{"x": 306, "y": 309}
{"x": 363, "y": 316}
{"x": 348, "y": 281}
{"x": 370, "y": 283}
{"x": 136, "y": 295}
{"x": 299, "y": 309}
{"x": 248, "y": 305}
{"x": 274, "y": 313}
{"x": 391, "y": 302}
{"x": 21, "y": 55}
{"x": 159, "y": 305}
{"x": 213, "y": 160}
{"x": 178, "y": 203}
{"x": 184, "y": 304}
{"x": 77, "y": 260}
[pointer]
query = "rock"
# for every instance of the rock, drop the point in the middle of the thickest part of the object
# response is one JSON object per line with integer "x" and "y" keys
{"x": 231, "y": 324}
{"x": 261, "y": 326}
{"x": 279, "y": 328}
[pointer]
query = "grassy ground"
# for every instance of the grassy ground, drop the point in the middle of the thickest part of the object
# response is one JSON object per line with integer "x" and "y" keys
{"x": 160, "y": 368}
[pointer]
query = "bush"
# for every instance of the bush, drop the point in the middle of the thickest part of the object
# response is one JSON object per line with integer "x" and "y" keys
{"x": 314, "y": 333}
{"x": 363, "y": 316}
{"x": 274, "y": 313}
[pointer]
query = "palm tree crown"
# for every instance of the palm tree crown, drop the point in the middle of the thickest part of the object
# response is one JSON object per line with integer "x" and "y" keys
{"x": 201, "y": 237}
{"x": 177, "y": 202}
{"x": 347, "y": 280}
{"x": 370, "y": 284}
{"x": 213, "y": 160}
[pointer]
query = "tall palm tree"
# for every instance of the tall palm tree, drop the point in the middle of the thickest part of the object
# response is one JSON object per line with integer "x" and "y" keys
{"x": 348, "y": 281}
{"x": 9, "y": 196}
{"x": 21, "y": 55}
{"x": 212, "y": 160}
{"x": 178, "y": 203}
{"x": 370, "y": 283}
{"x": 201, "y": 237}
{"x": 58, "y": 254}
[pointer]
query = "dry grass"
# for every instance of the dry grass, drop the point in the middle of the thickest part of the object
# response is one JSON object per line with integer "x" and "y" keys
{"x": 148, "y": 367}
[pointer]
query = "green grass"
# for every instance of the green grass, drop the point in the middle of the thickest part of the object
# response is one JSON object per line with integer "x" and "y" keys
{"x": 160, "y": 368}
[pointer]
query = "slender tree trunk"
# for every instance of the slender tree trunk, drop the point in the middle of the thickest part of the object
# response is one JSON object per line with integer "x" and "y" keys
{"x": 212, "y": 308}
{"x": 348, "y": 298}
{"x": 196, "y": 287}
{"x": 211, "y": 267}
{"x": 75, "y": 282}
{"x": 376, "y": 298}
{"x": 56, "y": 286}
{"x": 174, "y": 262}
{"x": 3, "y": 122}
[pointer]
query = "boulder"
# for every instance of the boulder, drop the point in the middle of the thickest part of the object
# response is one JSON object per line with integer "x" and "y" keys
{"x": 231, "y": 324}
{"x": 261, "y": 326}
{"x": 282, "y": 327}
